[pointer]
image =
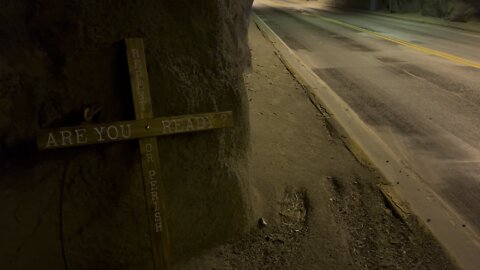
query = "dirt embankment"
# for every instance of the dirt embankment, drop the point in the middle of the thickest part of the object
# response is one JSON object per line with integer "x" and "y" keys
{"x": 317, "y": 206}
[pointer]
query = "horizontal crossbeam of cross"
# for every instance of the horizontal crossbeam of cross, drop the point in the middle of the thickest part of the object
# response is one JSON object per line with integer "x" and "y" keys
{"x": 128, "y": 130}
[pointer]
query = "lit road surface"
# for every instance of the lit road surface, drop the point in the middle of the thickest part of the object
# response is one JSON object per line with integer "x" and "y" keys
{"x": 416, "y": 85}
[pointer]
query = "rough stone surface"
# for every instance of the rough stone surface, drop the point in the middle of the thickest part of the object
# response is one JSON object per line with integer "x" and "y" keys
{"x": 453, "y": 10}
{"x": 84, "y": 208}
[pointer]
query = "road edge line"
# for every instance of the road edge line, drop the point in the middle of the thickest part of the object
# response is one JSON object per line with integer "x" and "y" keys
{"x": 429, "y": 51}
{"x": 462, "y": 244}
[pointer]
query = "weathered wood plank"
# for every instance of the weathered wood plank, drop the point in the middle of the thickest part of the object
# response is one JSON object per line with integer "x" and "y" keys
{"x": 146, "y": 129}
{"x": 154, "y": 190}
{"x": 139, "y": 78}
{"x": 128, "y": 130}
{"x": 154, "y": 195}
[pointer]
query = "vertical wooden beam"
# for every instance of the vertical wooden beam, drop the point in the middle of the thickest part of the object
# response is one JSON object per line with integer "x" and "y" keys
{"x": 154, "y": 190}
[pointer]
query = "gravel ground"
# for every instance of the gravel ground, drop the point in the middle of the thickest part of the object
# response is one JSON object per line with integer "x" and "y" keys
{"x": 318, "y": 206}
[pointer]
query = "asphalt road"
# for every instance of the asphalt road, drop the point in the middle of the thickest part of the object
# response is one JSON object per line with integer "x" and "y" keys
{"x": 417, "y": 85}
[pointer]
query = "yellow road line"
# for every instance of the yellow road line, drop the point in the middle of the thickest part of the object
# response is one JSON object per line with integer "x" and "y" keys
{"x": 450, "y": 57}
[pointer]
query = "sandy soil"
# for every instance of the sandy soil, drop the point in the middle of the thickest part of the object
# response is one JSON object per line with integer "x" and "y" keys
{"x": 318, "y": 207}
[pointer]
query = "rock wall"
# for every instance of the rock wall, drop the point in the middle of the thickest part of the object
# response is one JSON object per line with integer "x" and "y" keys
{"x": 84, "y": 208}
{"x": 453, "y": 10}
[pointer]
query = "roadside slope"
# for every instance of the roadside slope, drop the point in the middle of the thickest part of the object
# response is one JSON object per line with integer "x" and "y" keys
{"x": 323, "y": 208}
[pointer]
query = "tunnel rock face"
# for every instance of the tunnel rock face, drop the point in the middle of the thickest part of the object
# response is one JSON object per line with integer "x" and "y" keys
{"x": 453, "y": 10}
{"x": 84, "y": 208}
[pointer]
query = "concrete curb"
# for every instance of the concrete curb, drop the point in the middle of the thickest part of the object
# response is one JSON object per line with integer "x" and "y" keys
{"x": 461, "y": 243}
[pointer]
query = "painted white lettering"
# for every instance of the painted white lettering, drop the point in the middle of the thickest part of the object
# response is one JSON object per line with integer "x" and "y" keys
{"x": 189, "y": 124}
{"x": 81, "y": 135}
{"x": 200, "y": 122}
{"x": 51, "y": 141}
{"x": 135, "y": 53}
{"x": 158, "y": 222}
{"x": 209, "y": 122}
{"x": 153, "y": 185}
{"x": 140, "y": 84}
{"x": 224, "y": 117}
{"x": 100, "y": 133}
{"x": 112, "y": 132}
{"x": 148, "y": 148}
{"x": 152, "y": 174}
{"x": 124, "y": 133}
{"x": 66, "y": 137}
{"x": 158, "y": 227}
{"x": 136, "y": 64}
{"x": 178, "y": 125}
{"x": 166, "y": 125}
{"x": 156, "y": 206}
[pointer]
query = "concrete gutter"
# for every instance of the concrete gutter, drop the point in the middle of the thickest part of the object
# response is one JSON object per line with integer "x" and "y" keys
{"x": 404, "y": 185}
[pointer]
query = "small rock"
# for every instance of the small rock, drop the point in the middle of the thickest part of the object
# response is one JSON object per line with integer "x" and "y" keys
{"x": 279, "y": 240}
{"x": 262, "y": 222}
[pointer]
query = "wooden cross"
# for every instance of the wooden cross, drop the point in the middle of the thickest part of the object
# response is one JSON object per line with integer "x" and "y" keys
{"x": 146, "y": 129}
